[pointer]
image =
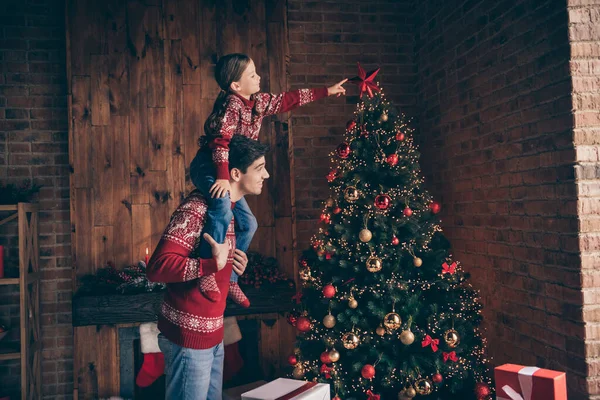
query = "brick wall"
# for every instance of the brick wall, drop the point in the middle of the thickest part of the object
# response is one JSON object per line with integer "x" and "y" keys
{"x": 496, "y": 136}
{"x": 326, "y": 39}
{"x": 584, "y": 34}
{"x": 33, "y": 145}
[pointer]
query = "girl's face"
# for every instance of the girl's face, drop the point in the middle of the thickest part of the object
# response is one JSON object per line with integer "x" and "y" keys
{"x": 249, "y": 83}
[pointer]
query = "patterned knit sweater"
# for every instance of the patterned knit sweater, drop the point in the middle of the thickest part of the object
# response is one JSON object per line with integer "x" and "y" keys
{"x": 244, "y": 117}
{"x": 187, "y": 318}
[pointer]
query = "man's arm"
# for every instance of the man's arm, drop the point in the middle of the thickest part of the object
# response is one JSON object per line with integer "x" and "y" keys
{"x": 171, "y": 261}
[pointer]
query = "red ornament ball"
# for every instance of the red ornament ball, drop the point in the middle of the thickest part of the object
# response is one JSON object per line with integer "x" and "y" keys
{"x": 399, "y": 136}
{"x": 325, "y": 218}
{"x": 407, "y": 212}
{"x": 303, "y": 262}
{"x": 325, "y": 359}
{"x": 435, "y": 207}
{"x": 395, "y": 241}
{"x": 482, "y": 390}
{"x": 328, "y": 291}
{"x": 351, "y": 125}
{"x": 368, "y": 371}
{"x": 383, "y": 201}
{"x": 437, "y": 378}
{"x": 303, "y": 324}
{"x": 292, "y": 360}
{"x": 343, "y": 150}
{"x": 337, "y": 210}
{"x": 392, "y": 159}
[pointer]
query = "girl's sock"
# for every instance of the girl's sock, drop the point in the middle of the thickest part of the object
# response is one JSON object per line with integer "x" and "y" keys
{"x": 238, "y": 295}
{"x": 208, "y": 287}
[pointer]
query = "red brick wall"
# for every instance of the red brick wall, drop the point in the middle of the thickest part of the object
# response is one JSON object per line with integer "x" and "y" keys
{"x": 496, "y": 136}
{"x": 584, "y": 34}
{"x": 33, "y": 145}
{"x": 326, "y": 40}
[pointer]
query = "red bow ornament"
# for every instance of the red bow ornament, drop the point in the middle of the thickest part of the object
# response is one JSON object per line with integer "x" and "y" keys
{"x": 325, "y": 370}
{"x": 430, "y": 341}
{"x": 365, "y": 81}
{"x": 297, "y": 297}
{"x": 450, "y": 356}
{"x": 332, "y": 175}
{"x": 448, "y": 269}
{"x": 373, "y": 396}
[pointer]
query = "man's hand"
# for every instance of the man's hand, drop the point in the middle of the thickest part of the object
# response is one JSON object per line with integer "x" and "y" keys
{"x": 220, "y": 252}
{"x": 337, "y": 89}
{"x": 220, "y": 188}
{"x": 240, "y": 262}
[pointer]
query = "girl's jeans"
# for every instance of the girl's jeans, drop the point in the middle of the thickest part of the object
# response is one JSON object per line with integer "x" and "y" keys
{"x": 219, "y": 214}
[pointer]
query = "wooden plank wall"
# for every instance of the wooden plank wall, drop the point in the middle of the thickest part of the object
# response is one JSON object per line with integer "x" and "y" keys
{"x": 141, "y": 85}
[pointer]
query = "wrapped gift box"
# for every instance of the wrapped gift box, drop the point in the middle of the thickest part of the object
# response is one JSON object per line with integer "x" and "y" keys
{"x": 516, "y": 382}
{"x": 289, "y": 389}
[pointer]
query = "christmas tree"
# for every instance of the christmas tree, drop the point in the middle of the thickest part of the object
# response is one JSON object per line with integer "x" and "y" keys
{"x": 385, "y": 311}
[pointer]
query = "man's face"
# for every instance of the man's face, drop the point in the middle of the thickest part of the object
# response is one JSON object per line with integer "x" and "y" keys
{"x": 252, "y": 181}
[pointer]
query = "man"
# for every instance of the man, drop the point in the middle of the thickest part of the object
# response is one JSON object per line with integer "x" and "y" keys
{"x": 192, "y": 323}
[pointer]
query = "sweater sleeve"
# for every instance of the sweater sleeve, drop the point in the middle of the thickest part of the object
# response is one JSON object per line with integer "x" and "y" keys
{"x": 269, "y": 104}
{"x": 171, "y": 261}
{"x": 219, "y": 143}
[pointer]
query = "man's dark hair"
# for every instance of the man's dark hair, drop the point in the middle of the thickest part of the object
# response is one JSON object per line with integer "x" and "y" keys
{"x": 243, "y": 151}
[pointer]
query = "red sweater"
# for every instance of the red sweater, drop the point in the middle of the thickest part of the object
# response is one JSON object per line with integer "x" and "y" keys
{"x": 244, "y": 117}
{"x": 187, "y": 318}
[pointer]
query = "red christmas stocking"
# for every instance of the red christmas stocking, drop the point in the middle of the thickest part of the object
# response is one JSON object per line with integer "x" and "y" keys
{"x": 153, "y": 366}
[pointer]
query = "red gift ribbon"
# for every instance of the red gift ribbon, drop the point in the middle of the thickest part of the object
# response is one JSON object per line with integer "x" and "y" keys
{"x": 296, "y": 392}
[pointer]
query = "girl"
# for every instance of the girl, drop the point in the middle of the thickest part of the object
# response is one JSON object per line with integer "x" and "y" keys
{"x": 239, "y": 109}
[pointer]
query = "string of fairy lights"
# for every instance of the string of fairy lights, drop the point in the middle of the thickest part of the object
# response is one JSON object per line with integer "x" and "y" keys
{"x": 345, "y": 183}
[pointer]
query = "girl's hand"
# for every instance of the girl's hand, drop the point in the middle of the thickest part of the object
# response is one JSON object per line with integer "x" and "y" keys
{"x": 220, "y": 188}
{"x": 337, "y": 89}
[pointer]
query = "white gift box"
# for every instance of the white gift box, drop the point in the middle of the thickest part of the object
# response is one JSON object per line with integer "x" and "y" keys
{"x": 281, "y": 387}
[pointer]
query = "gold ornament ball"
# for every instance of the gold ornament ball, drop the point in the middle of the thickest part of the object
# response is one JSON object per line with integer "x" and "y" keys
{"x": 392, "y": 321}
{"x": 352, "y": 303}
{"x": 380, "y": 330}
{"x": 384, "y": 117}
{"x": 351, "y": 194}
{"x": 451, "y": 338}
{"x": 350, "y": 341}
{"x": 423, "y": 387}
{"x": 329, "y": 202}
{"x": 374, "y": 264}
{"x": 410, "y": 392}
{"x": 407, "y": 337}
{"x": 304, "y": 274}
{"x": 329, "y": 321}
{"x": 365, "y": 235}
{"x": 334, "y": 355}
{"x": 417, "y": 262}
{"x": 298, "y": 372}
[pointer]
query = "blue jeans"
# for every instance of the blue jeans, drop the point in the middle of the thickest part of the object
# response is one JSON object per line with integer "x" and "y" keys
{"x": 194, "y": 374}
{"x": 219, "y": 214}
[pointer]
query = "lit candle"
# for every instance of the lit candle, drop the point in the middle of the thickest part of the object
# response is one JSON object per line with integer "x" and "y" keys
{"x": 147, "y": 258}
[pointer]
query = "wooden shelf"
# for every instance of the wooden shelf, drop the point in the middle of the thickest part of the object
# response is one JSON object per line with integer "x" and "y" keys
{"x": 9, "y": 351}
{"x": 144, "y": 307}
{"x": 26, "y": 216}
